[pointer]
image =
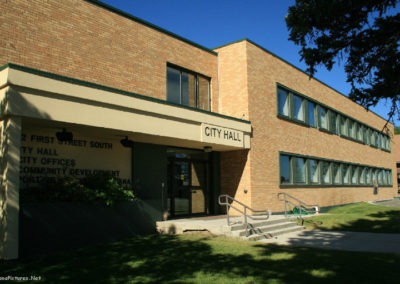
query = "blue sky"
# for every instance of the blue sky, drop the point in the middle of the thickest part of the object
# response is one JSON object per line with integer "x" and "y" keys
{"x": 212, "y": 23}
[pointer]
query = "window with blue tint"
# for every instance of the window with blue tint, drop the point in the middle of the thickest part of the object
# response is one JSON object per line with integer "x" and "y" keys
{"x": 298, "y": 108}
{"x": 322, "y": 117}
{"x": 313, "y": 169}
{"x": 306, "y": 171}
{"x": 299, "y": 170}
{"x": 326, "y": 172}
{"x": 283, "y": 102}
{"x": 311, "y": 114}
{"x": 284, "y": 169}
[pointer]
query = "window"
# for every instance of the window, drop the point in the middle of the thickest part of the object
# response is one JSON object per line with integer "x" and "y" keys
{"x": 173, "y": 85}
{"x": 203, "y": 101}
{"x": 283, "y": 102}
{"x": 361, "y": 178}
{"x": 354, "y": 174}
{"x": 322, "y": 118}
{"x": 299, "y": 172}
{"x": 336, "y": 173}
{"x": 380, "y": 177}
{"x": 313, "y": 170}
{"x": 285, "y": 169}
{"x": 326, "y": 172}
{"x": 305, "y": 171}
{"x": 368, "y": 176}
{"x": 384, "y": 177}
{"x": 189, "y": 89}
{"x": 333, "y": 122}
{"x": 379, "y": 140}
{"x": 311, "y": 114}
{"x": 373, "y": 138}
{"x": 298, "y": 108}
{"x": 360, "y": 133}
{"x": 350, "y": 125}
{"x": 367, "y": 136}
{"x": 389, "y": 177}
{"x": 343, "y": 126}
{"x": 346, "y": 173}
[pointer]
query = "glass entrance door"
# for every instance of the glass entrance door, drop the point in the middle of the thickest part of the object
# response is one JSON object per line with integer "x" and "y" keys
{"x": 187, "y": 187}
{"x": 179, "y": 187}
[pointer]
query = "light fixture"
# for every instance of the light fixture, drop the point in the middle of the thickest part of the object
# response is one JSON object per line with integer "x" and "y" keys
{"x": 207, "y": 149}
{"x": 64, "y": 135}
{"x": 126, "y": 142}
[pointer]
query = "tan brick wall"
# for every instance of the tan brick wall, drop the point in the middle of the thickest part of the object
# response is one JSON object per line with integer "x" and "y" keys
{"x": 271, "y": 134}
{"x": 396, "y": 147}
{"x": 235, "y": 165}
{"x": 84, "y": 41}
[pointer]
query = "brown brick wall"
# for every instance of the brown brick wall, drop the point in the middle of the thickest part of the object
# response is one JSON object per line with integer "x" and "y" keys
{"x": 271, "y": 134}
{"x": 81, "y": 40}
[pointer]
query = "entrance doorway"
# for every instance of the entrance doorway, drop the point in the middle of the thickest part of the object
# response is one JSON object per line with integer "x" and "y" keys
{"x": 188, "y": 180}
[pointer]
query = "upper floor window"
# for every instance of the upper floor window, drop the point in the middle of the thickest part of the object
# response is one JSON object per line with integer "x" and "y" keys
{"x": 306, "y": 111}
{"x": 187, "y": 88}
{"x": 283, "y": 102}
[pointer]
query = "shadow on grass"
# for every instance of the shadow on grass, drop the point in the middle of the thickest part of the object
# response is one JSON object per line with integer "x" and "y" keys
{"x": 194, "y": 259}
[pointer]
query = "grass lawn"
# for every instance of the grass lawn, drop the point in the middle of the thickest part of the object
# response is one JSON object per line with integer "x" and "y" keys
{"x": 205, "y": 259}
{"x": 358, "y": 217}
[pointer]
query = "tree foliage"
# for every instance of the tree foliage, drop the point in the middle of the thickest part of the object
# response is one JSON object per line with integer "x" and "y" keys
{"x": 364, "y": 34}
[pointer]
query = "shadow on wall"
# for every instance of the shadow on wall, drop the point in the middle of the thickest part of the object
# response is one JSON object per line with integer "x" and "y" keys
{"x": 232, "y": 168}
{"x": 61, "y": 226}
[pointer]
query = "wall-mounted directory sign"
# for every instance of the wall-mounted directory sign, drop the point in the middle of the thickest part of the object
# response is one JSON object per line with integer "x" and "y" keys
{"x": 44, "y": 158}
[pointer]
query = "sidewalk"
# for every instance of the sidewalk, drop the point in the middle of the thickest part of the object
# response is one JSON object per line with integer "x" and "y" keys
{"x": 348, "y": 241}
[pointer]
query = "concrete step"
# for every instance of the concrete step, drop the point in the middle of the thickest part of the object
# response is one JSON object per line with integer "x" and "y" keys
{"x": 264, "y": 229}
{"x": 268, "y": 228}
{"x": 257, "y": 223}
{"x": 273, "y": 234}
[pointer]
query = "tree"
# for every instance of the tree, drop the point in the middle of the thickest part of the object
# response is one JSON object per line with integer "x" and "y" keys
{"x": 364, "y": 34}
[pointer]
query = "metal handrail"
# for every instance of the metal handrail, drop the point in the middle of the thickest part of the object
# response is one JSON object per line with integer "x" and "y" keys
{"x": 297, "y": 203}
{"x": 227, "y": 200}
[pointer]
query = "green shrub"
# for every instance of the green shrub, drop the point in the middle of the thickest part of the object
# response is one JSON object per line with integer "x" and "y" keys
{"x": 97, "y": 189}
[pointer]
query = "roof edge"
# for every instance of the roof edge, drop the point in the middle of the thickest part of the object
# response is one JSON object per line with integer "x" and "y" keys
{"x": 148, "y": 24}
{"x": 111, "y": 89}
{"x": 302, "y": 71}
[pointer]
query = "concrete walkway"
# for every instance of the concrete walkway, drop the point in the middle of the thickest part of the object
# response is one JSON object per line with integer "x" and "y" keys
{"x": 348, "y": 241}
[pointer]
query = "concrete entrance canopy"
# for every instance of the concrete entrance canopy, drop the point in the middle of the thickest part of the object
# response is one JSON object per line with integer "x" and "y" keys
{"x": 31, "y": 93}
{"x": 35, "y": 99}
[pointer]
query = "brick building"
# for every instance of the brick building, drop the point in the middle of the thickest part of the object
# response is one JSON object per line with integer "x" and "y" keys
{"x": 176, "y": 121}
